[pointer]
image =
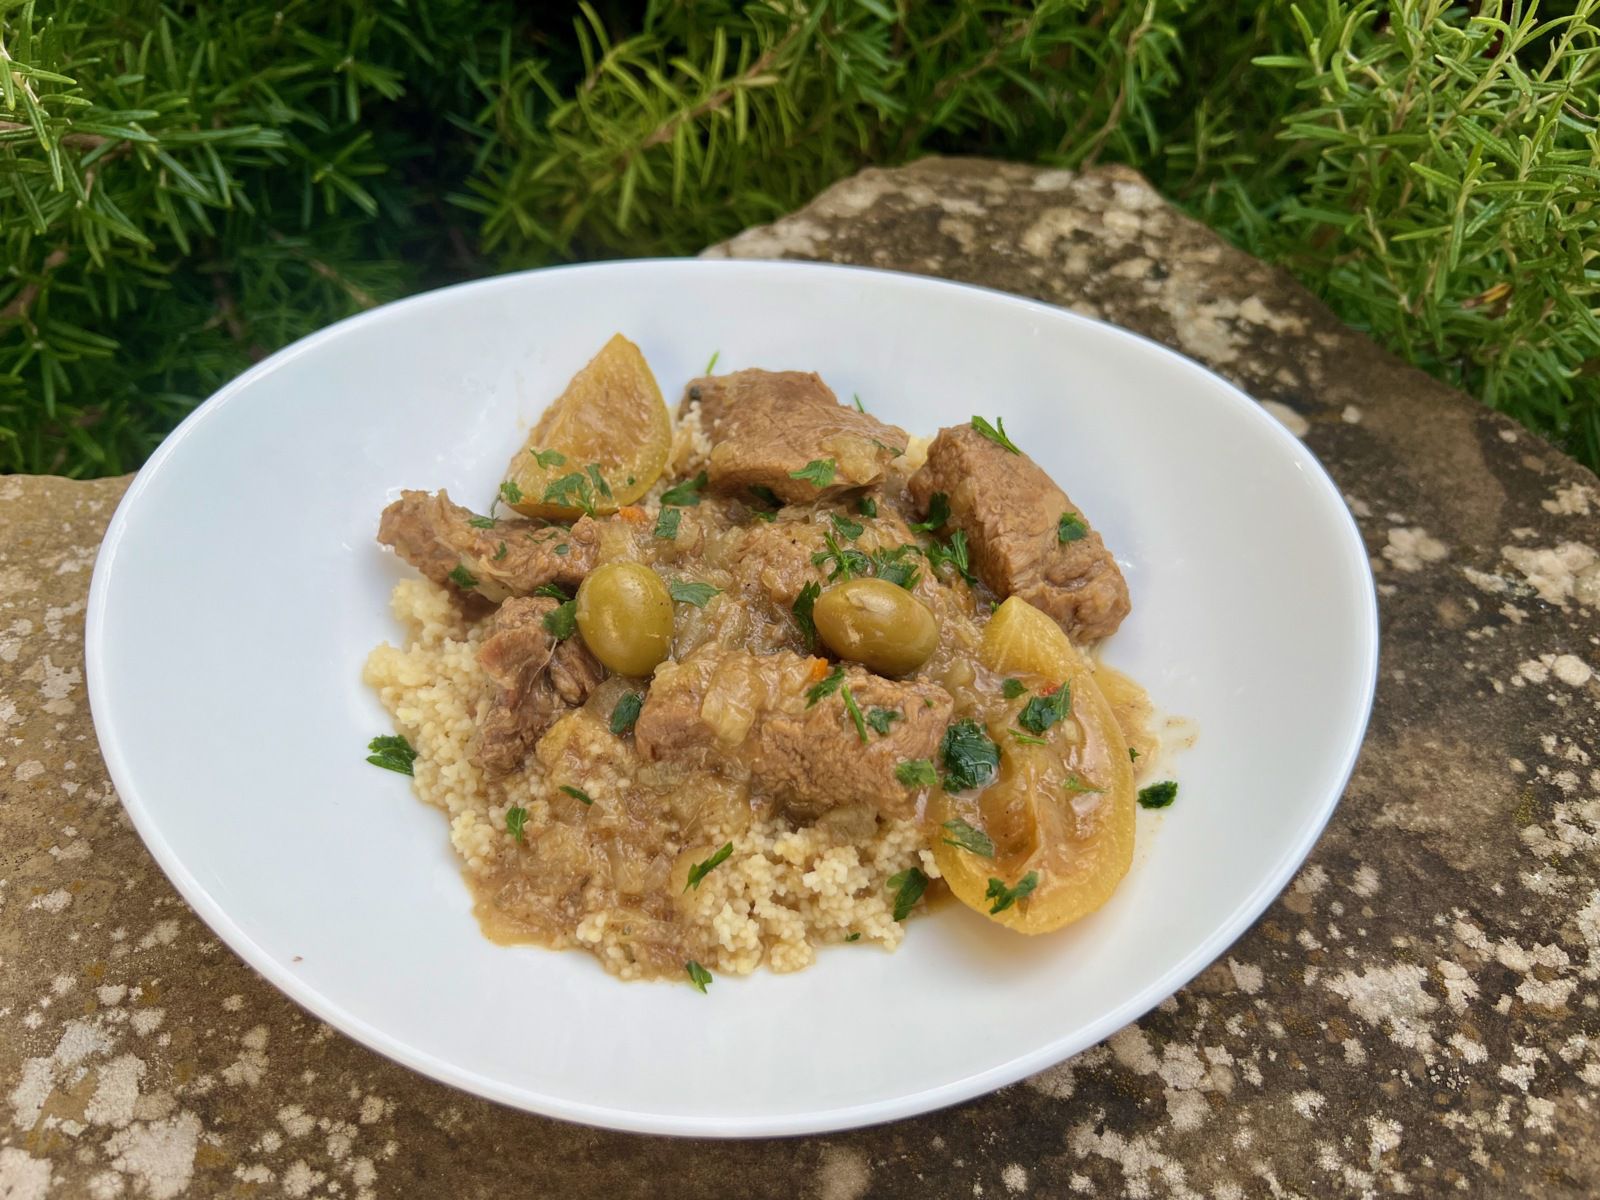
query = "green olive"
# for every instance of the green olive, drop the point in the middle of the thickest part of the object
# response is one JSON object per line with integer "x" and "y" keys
{"x": 877, "y": 624}
{"x": 625, "y": 617}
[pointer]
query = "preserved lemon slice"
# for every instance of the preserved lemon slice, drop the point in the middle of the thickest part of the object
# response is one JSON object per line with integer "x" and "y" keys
{"x": 601, "y": 445}
{"x": 1059, "y": 817}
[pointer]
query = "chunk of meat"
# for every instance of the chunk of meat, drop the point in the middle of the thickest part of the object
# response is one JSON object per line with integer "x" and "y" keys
{"x": 727, "y": 708}
{"x": 512, "y": 557}
{"x": 763, "y": 426}
{"x": 537, "y": 679}
{"x": 1011, "y": 511}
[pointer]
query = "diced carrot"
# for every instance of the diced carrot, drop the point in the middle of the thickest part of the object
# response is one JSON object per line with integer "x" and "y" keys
{"x": 633, "y": 514}
{"x": 819, "y": 670}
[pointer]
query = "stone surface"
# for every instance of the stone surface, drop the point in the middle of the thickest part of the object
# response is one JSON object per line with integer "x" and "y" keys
{"x": 1418, "y": 1013}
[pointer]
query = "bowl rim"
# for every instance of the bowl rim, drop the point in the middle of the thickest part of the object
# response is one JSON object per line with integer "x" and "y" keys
{"x": 1168, "y": 982}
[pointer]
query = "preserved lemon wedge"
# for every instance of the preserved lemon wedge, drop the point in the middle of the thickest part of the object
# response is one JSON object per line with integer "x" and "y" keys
{"x": 1057, "y": 823}
{"x": 601, "y": 445}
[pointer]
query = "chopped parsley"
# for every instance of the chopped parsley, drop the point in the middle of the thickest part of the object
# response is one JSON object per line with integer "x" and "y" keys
{"x": 1075, "y": 783}
{"x": 847, "y": 527}
{"x": 826, "y": 688}
{"x": 1133, "y": 755}
{"x": 698, "y": 975}
{"x": 894, "y": 451}
{"x": 847, "y": 563}
{"x": 510, "y": 492}
{"x": 969, "y": 755}
{"x": 626, "y": 713}
{"x": 1157, "y": 795}
{"x": 766, "y": 495}
{"x": 500, "y": 553}
{"x": 562, "y": 549}
{"x": 516, "y": 818}
{"x": 570, "y": 491}
{"x": 803, "y": 605}
{"x": 667, "y": 523}
{"x": 562, "y": 621}
{"x": 553, "y": 590}
{"x": 965, "y": 837}
{"x": 852, "y": 937}
{"x": 697, "y": 594}
{"x": 1041, "y": 712}
{"x": 1012, "y": 688}
{"x": 909, "y": 886}
{"x": 954, "y": 554}
{"x": 818, "y": 472}
{"x": 599, "y": 481}
{"x": 481, "y": 522}
{"x": 1026, "y": 739}
{"x": 391, "y": 752}
{"x": 881, "y": 718}
{"x": 892, "y": 567}
{"x": 856, "y": 396}
{"x": 867, "y": 506}
{"x": 1005, "y": 897}
{"x": 686, "y": 493}
{"x": 701, "y": 869}
{"x": 1070, "y": 528}
{"x": 996, "y": 433}
{"x": 549, "y": 458}
{"x": 854, "y": 709}
{"x": 712, "y": 365}
{"x": 917, "y": 772}
{"x": 463, "y": 578}
{"x": 577, "y": 793}
{"x": 938, "y": 514}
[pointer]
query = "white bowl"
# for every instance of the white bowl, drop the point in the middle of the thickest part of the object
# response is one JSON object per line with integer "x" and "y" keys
{"x": 239, "y": 590}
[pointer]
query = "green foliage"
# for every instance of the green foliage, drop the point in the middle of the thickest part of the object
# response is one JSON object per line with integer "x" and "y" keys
{"x": 184, "y": 189}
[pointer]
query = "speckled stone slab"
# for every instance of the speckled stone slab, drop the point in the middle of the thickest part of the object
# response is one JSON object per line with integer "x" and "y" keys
{"x": 1417, "y": 1014}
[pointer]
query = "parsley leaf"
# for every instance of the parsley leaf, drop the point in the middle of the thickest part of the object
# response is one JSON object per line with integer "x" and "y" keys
{"x": 827, "y": 687}
{"x": 562, "y": 549}
{"x": 818, "y": 472}
{"x": 577, "y": 793}
{"x": 1158, "y": 795}
{"x": 686, "y": 493}
{"x": 856, "y": 396}
{"x": 894, "y": 451}
{"x": 803, "y": 605}
{"x": 1026, "y": 739}
{"x": 667, "y": 523}
{"x": 917, "y": 772}
{"x": 965, "y": 837}
{"x": 938, "y": 514}
{"x": 1041, "y": 712}
{"x": 698, "y": 976}
{"x": 851, "y": 707}
{"x": 995, "y": 435}
{"x": 867, "y": 506}
{"x": 852, "y": 937}
{"x": 510, "y": 492}
{"x": 570, "y": 491}
{"x": 890, "y": 566}
{"x": 562, "y": 621}
{"x": 954, "y": 554}
{"x": 847, "y": 563}
{"x": 1075, "y": 783}
{"x": 701, "y": 869}
{"x": 554, "y": 591}
{"x": 847, "y": 527}
{"x": 970, "y": 756}
{"x": 462, "y": 578}
{"x": 1070, "y": 528}
{"x": 909, "y": 885}
{"x": 712, "y": 365}
{"x": 549, "y": 458}
{"x": 500, "y": 553}
{"x": 1005, "y": 897}
{"x": 697, "y": 594}
{"x": 599, "y": 480}
{"x": 626, "y": 713}
{"x": 516, "y": 818}
{"x": 766, "y": 495}
{"x": 881, "y": 718}
{"x": 481, "y": 522}
{"x": 1012, "y": 688}
{"x": 1133, "y": 755}
{"x": 391, "y": 752}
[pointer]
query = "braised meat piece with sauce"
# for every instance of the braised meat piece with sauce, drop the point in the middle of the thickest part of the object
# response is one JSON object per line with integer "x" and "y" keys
{"x": 766, "y": 427}
{"x": 1027, "y": 538}
{"x": 757, "y": 713}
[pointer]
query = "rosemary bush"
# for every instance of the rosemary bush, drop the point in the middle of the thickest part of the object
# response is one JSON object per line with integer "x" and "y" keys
{"x": 184, "y": 188}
